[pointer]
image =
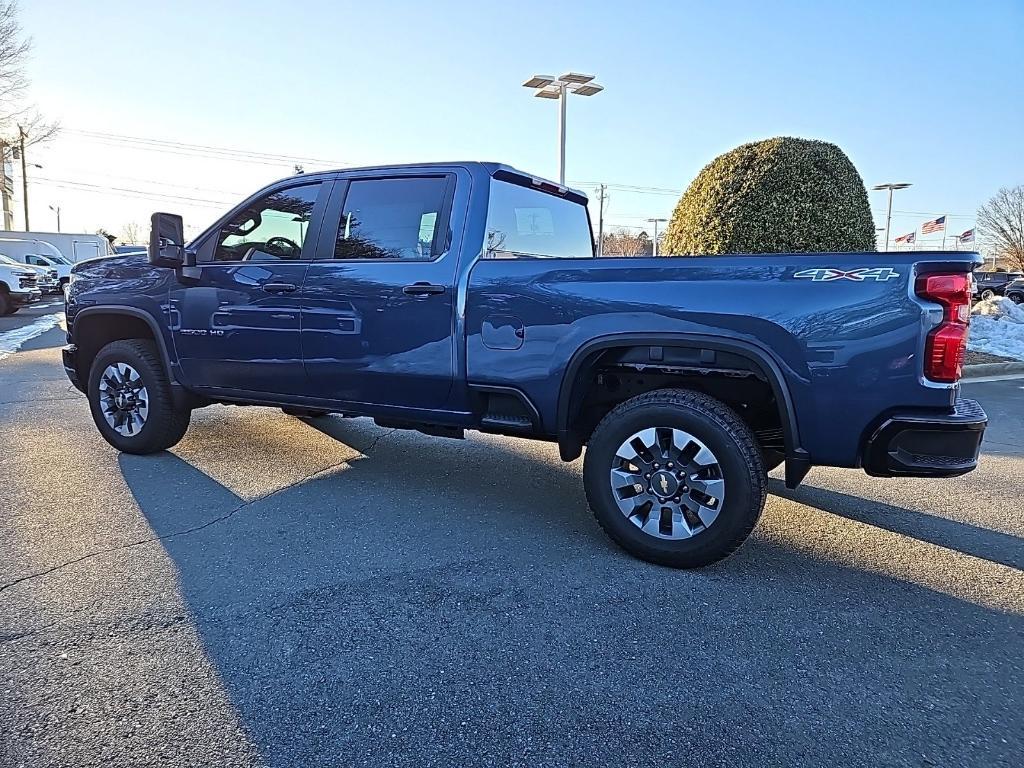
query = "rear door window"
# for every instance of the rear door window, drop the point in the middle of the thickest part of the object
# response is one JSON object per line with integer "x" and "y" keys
{"x": 394, "y": 219}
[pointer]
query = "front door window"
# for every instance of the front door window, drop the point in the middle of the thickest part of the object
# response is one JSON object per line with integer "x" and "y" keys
{"x": 273, "y": 228}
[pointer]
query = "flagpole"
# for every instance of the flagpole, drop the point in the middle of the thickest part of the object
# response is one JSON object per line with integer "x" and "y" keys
{"x": 945, "y": 221}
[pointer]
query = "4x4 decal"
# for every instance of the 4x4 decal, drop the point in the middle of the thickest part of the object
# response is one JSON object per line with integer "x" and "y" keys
{"x": 828, "y": 274}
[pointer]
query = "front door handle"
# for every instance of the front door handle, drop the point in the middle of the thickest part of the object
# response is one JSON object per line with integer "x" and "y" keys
{"x": 423, "y": 289}
{"x": 279, "y": 287}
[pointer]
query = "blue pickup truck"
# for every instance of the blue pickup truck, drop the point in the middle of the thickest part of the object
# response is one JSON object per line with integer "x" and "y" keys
{"x": 455, "y": 296}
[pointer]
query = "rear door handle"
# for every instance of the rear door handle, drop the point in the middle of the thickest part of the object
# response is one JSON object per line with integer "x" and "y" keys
{"x": 279, "y": 287}
{"x": 423, "y": 289}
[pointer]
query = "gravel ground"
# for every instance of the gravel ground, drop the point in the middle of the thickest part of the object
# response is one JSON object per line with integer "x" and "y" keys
{"x": 975, "y": 358}
{"x": 273, "y": 592}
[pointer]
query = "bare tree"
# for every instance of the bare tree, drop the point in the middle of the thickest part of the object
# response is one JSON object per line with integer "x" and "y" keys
{"x": 622, "y": 242}
{"x": 14, "y": 50}
{"x": 1001, "y": 225}
{"x": 131, "y": 233}
{"x": 19, "y": 121}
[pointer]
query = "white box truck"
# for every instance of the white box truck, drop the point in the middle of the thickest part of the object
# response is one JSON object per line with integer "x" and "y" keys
{"x": 74, "y": 247}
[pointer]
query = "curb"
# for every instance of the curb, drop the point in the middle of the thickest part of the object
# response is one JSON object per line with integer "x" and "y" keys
{"x": 981, "y": 370}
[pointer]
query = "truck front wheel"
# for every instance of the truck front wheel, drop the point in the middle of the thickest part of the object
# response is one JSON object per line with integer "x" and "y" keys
{"x": 130, "y": 398}
{"x": 675, "y": 477}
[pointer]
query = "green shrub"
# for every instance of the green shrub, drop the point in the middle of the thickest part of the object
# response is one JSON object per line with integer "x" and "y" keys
{"x": 782, "y": 195}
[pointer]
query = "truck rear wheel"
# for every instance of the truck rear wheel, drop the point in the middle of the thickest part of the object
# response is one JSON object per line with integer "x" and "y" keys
{"x": 675, "y": 477}
{"x": 130, "y": 398}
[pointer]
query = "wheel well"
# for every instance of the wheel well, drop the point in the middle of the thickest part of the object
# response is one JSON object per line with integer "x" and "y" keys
{"x": 3, "y": 287}
{"x": 612, "y": 375}
{"x": 93, "y": 332}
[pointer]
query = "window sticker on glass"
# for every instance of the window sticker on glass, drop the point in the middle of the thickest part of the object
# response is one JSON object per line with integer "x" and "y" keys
{"x": 534, "y": 221}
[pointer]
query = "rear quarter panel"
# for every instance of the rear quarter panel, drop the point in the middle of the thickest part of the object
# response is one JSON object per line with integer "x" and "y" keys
{"x": 849, "y": 350}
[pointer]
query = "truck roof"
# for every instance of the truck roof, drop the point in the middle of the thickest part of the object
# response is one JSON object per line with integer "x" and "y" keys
{"x": 488, "y": 167}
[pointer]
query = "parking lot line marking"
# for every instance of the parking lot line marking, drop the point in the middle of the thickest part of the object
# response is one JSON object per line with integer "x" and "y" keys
{"x": 11, "y": 341}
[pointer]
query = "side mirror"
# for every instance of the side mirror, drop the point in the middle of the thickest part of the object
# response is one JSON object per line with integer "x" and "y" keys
{"x": 167, "y": 241}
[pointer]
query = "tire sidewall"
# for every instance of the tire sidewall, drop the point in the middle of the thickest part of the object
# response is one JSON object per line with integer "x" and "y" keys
{"x": 741, "y": 491}
{"x": 141, "y": 442}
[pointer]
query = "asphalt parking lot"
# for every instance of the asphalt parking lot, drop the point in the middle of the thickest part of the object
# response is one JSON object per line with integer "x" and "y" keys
{"x": 276, "y": 592}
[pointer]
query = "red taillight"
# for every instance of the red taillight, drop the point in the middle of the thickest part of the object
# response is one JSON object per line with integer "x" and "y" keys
{"x": 946, "y": 343}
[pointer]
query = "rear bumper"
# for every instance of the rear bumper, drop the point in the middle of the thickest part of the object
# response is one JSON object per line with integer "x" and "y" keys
{"x": 927, "y": 445}
{"x": 69, "y": 354}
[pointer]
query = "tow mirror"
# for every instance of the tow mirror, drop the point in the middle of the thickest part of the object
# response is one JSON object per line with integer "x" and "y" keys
{"x": 167, "y": 241}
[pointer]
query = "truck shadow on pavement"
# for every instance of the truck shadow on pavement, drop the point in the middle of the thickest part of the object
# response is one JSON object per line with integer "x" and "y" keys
{"x": 455, "y": 604}
{"x": 973, "y": 540}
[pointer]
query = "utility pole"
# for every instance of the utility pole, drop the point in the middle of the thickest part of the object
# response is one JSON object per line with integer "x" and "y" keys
{"x": 24, "y": 174}
{"x": 8, "y": 217}
{"x": 602, "y": 195}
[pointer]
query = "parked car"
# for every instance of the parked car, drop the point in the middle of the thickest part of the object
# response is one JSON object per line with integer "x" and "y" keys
{"x": 447, "y": 297}
{"x": 74, "y": 247}
{"x": 989, "y": 284}
{"x": 46, "y": 278}
{"x": 120, "y": 249}
{"x": 38, "y": 253}
{"x": 1015, "y": 291}
{"x": 18, "y": 286}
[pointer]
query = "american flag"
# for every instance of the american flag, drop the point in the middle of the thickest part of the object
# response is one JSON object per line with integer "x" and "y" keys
{"x": 935, "y": 225}
{"x": 908, "y": 238}
{"x": 967, "y": 237}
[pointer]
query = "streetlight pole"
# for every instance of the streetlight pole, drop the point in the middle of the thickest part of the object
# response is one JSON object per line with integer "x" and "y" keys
{"x": 888, "y": 215}
{"x": 56, "y": 209}
{"x": 548, "y": 87}
{"x": 656, "y": 222}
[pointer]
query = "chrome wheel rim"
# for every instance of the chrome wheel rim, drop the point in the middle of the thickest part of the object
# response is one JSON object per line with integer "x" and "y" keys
{"x": 124, "y": 399}
{"x": 667, "y": 483}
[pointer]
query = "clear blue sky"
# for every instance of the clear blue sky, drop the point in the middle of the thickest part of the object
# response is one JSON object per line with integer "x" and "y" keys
{"x": 926, "y": 92}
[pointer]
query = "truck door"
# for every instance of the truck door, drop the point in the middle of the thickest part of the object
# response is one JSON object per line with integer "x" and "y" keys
{"x": 378, "y": 303}
{"x": 236, "y": 325}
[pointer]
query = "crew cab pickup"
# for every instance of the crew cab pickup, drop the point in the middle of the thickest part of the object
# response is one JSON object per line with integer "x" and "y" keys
{"x": 467, "y": 296}
{"x": 18, "y": 286}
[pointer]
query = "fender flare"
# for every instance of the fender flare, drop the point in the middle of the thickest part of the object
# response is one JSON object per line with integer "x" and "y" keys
{"x": 115, "y": 309}
{"x": 797, "y": 460}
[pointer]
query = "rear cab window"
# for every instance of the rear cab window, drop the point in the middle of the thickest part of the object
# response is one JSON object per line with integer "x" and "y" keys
{"x": 523, "y": 222}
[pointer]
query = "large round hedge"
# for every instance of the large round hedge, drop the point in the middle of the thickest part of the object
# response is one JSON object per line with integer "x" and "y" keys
{"x": 782, "y": 195}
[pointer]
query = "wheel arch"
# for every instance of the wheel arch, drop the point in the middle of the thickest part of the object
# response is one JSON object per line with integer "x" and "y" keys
{"x": 573, "y": 386}
{"x": 139, "y": 320}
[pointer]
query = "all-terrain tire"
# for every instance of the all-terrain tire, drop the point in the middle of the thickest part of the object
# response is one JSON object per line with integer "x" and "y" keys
{"x": 6, "y": 305}
{"x": 164, "y": 424}
{"x": 723, "y": 432}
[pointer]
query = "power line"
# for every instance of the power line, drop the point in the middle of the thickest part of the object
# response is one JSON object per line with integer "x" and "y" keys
{"x": 123, "y": 192}
{"x": 200, "y": 150}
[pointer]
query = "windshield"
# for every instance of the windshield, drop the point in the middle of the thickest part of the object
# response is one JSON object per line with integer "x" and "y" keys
{"x": 55, "y": 259}
{"x": 8, "y": 260}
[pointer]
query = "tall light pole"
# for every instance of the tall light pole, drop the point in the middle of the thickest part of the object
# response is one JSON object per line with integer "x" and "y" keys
{"x": 56, "y": 209}
{"x": 548, "y": 87}
{"x": 888, "y": 216}
{"x": 656, "y": 222}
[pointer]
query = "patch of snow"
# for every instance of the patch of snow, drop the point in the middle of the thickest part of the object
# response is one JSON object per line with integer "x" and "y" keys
{"x": 997, "y": 327}
{"x": 11, "y": 341}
